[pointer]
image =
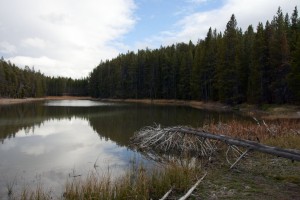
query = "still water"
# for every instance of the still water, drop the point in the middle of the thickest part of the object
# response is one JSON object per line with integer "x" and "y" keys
{"x": 47, "y": 143}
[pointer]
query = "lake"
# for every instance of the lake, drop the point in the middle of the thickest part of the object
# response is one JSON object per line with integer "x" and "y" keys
{"x": 47, "y": 143}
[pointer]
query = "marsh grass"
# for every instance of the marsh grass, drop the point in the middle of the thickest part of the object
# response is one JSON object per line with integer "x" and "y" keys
{"x": 140, "y": 183}
{"x": 10, "y": 186}
{"x": 38, "y": 193}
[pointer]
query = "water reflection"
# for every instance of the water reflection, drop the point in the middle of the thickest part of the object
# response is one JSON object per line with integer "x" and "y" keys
{"x": 54, "y": 150}
{"x": 77, "y": 103}
{"x": 47, "y": 142}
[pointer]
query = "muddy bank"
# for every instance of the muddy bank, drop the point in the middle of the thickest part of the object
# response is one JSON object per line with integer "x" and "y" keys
{"x": 194, "y": 104}
{"x": 270, "y": 111}
{"x": 266, "y": 112}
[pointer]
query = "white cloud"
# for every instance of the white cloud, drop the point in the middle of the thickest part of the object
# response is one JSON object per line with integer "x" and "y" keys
{"x": 46, "y": 65}
{"x": 53, "y": 67}
{"x": 55, "y": 18}
{"x": 63, "y": 37}
{"x": 7, "y": 48}
{"x": 34, "y": 150}
{"x": 195, "y": 25}
{"x": 34, "y": 43}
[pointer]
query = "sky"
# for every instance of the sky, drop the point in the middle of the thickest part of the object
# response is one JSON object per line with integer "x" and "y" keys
{"x": 70, "y": 37}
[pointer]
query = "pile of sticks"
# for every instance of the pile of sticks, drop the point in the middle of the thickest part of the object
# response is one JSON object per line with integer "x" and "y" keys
{"x": 171, "y": 140}
{"x": 198, "y": 142}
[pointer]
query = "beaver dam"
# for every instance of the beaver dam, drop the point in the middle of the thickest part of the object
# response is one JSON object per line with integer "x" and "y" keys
{"x": 198, "y": 142}
{"x": 166, "y": 144}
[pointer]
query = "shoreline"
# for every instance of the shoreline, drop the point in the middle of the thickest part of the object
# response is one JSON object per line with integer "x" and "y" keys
{"x": 271, "y": 112}
{"x": 192, "y": 103}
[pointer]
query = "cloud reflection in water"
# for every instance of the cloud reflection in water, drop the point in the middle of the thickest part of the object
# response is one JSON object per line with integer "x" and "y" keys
{"x": 52, "y": 151}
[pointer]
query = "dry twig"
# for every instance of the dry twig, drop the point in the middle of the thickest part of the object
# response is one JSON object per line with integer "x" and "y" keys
{"x": 193, "y": 188}
{"x": 167, "y": 194}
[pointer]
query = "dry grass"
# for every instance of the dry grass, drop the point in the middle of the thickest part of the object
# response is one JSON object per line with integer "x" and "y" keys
{"x": 283, "y": 133}
{"x": 39, "y": 193}
{"x": 138, "y": 183}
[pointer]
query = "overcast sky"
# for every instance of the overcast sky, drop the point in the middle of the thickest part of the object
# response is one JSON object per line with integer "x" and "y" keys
{"x": 71, "y": 37}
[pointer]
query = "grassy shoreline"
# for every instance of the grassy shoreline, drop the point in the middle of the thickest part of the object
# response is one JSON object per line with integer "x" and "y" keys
{"x": 258, "y": 176}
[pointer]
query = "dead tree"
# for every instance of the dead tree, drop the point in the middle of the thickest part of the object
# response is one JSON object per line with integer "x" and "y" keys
{"x": 185, "y": 139}
{"x": 250, "y": 145}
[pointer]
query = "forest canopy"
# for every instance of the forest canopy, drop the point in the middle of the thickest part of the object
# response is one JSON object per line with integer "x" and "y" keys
{"x": 258, "y": 65}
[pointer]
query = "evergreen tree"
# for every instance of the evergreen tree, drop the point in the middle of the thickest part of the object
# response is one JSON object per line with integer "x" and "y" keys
{"x": 228, "y": 76}
{"x": 279, "y": 58}
{"x": 294, "y": 75}
{"x": 257, "y": 62}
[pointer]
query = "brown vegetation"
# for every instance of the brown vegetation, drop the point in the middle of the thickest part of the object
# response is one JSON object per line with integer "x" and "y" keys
{"x": 283, "y": 133}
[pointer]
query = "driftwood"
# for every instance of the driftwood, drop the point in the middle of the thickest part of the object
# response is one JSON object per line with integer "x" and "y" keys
{"x": 243, "y": 154}
{"x": 188, "y": 192}
{"x": 166, "y": 195}
{"x": 185, "y": 139}
{"x": 193, "y": 188}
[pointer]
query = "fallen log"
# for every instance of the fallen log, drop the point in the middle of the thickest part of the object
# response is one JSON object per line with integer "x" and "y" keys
{"x": 169, "y": 138}
{"x": 285, "y": 153}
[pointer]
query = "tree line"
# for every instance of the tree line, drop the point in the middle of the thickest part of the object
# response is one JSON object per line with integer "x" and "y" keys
{"x": 260, "y": 65}
{"x": 21, "y": 83}
{"x": 255, "y": 66}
